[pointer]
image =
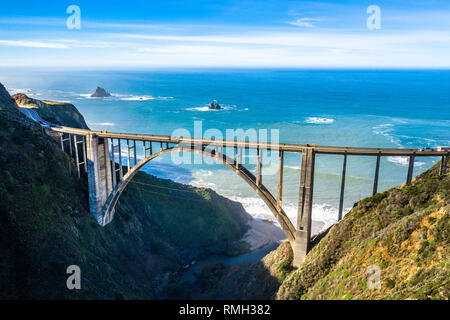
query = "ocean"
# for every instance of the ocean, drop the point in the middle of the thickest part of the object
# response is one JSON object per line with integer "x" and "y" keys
{"x": 356, "y": 108}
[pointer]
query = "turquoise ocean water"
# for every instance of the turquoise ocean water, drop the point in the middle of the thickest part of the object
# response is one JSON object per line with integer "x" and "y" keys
{"x": 357, "y": 108}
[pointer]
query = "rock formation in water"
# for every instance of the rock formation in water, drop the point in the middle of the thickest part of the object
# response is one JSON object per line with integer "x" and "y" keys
{"x": 214, "y": 106}
{"x": 100, "y": 93}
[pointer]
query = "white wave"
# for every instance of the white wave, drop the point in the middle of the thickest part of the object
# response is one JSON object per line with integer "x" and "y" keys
{"x": 206, "y": 108}
{"x": 88, "y": 96}
{"x": 318, "y": 120}
{"x": 323, "y": 215}
{"x": 383, "y": 128}
{"x": 127, "y": 97}
{"x": 26, "y": 91}
{"x": 404, "y": 161}
{"x": 386, "y": 130}
{"x": 204, "y": 173}
{"x": 138, "y": 98}
{"x": 165, "y": 98}
{"x": 200, "y": 179}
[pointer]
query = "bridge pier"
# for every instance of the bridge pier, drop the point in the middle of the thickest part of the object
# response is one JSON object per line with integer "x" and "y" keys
{"x": 301, "y": 244}
{"x": 280, "y": 180}
{"x": 443, "y": 165}
{"x": 99, "y": 175}
{"x": 410, "y": 169}
{"x": 377, "y": 174}
{"x": 341, "y": 197}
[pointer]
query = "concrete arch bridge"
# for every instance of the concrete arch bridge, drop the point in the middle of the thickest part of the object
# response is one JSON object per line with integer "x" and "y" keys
{"x": 95, "y": 151}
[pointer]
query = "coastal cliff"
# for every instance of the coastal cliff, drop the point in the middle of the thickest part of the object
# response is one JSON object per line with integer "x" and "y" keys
{"x": 401, "y": 234}
{"x": 45, "y": 224}
{"x": 60, "y": 113}
{"x": 393, "y": 245}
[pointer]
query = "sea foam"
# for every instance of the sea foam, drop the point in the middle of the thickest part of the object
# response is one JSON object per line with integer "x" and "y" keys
{"x": 404, "y": 161}
{"x": 318, "y": 120}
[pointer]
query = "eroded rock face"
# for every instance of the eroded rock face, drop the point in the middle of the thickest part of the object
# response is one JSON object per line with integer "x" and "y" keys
{"x": 60, "y": 113}
{"x": 100, "y": 93}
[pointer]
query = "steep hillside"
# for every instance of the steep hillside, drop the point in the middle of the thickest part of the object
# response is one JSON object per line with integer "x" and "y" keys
{"x": 244, "y": 281}
{"x": 45, "y": 225}
{"x": 403, "y": 233}
{"x": 54, "y": 112}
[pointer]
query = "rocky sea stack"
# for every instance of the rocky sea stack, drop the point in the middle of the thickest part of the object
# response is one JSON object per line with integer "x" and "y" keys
{"x": 100, "y": 93}
{"x": 214, "y": 106}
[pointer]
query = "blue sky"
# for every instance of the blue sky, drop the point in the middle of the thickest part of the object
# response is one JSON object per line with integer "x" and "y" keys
{"x": 209, "y": 33}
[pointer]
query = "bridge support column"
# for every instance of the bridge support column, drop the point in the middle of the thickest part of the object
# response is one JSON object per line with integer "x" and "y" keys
{"x": 443, "y": 165}
{"x": 303, "y": 233}
{"x": 341, "y": 197}
{"x": 377, "y": 173}
{"x": 410, "y": 170}
{"x": 280, "y": 180}
{"x": 99, "y": 175}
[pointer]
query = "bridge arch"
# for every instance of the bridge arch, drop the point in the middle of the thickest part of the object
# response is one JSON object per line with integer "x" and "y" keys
{"x": 104, "y": 192}
{"x": 284, "y": 221}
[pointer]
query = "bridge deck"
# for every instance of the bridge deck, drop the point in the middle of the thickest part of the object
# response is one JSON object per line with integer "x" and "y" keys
{"x": 287, "y": 147}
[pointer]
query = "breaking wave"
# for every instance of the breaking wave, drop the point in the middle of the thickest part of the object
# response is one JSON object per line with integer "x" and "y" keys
{"x": 318, "y": 120}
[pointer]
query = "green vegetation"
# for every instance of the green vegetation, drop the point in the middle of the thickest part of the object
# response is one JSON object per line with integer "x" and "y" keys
{"x": 53, "y": 102}
{"x": 45, "y": 225}
{"x": 205, "y": 223}
{"x": 403, "y": 231}
{"x": 259, "y": 280}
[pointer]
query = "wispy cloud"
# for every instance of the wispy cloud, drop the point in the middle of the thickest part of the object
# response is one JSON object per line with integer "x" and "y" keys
{"x": 366, "y": 41}
{"x": 276, "y": 48}
{"x": 37, "y": 21}
{"x": 304, "y": 22}
{"x": 56, "y": 44}
{"x": 122, "y": 26}
{"x": 87, "y": 44}
{"x": 293, "y": 34}
{"x": 33, "y": 44}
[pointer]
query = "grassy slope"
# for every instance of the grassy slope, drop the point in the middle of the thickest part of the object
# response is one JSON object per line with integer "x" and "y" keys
{"x": 45, "y": 225}
{"x": 403, "y": 231}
